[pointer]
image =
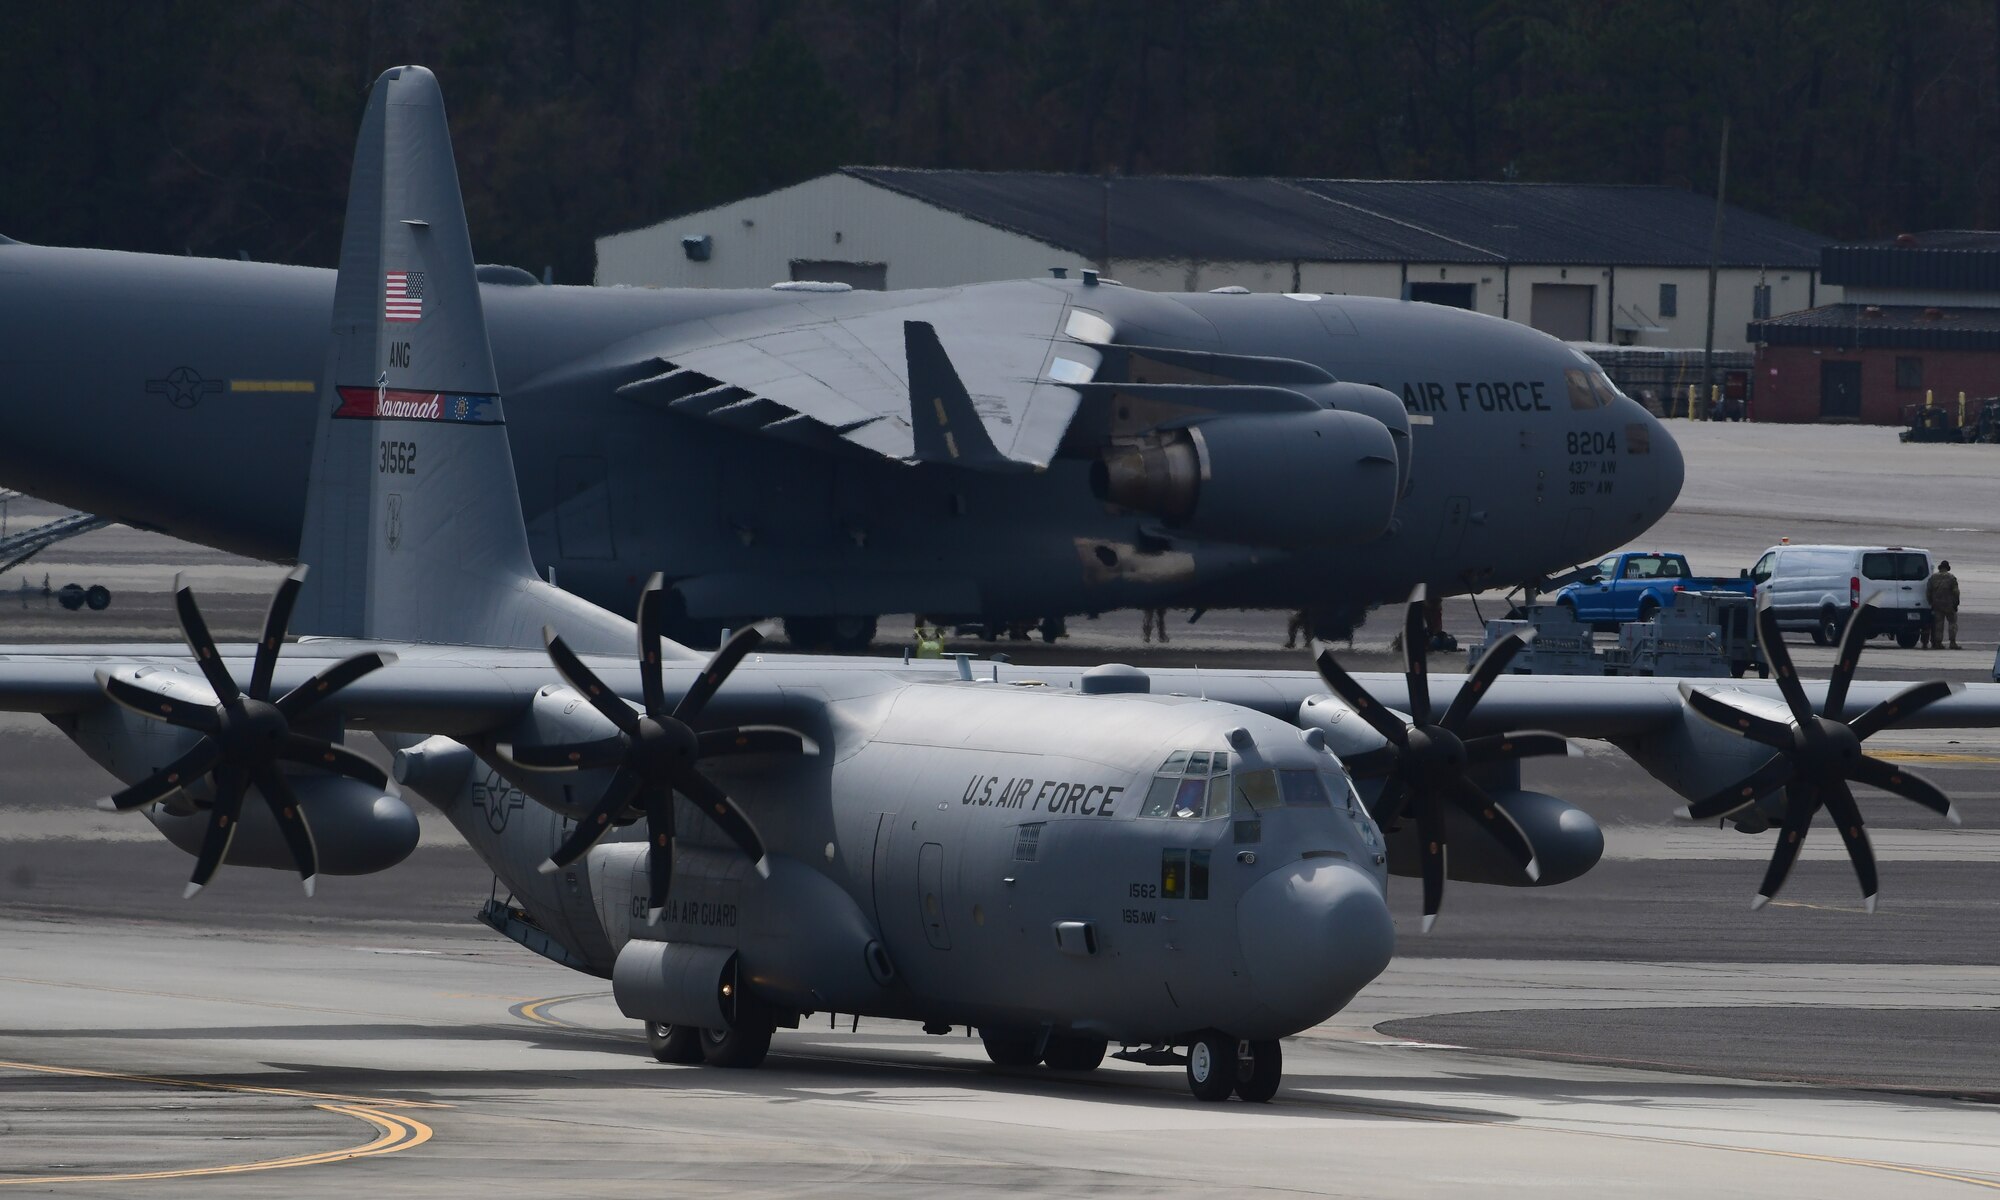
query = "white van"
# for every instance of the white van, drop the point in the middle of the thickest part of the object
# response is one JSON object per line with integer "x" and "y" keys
{"x": 1818, "y": 588}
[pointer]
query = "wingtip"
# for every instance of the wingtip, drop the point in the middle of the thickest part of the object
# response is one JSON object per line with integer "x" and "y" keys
{"x": 1759, "y": 901}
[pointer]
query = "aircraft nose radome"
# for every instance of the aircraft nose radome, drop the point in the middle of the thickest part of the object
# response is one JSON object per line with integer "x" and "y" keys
{"x": 1313, "y": 934}
{"x": 1669, "y": 466}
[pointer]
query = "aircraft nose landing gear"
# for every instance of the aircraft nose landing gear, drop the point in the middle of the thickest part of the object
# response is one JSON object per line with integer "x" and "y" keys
{"x": 1218, "y": 1065}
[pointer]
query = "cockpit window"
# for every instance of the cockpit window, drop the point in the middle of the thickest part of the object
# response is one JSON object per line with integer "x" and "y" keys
{"x": 1259, "y": 789}
{"x": 1302, "y": 789}
{"x": 1600, "y": 383}
{"x": 1580, "y": 395}
{"x": 1192, "y": 785}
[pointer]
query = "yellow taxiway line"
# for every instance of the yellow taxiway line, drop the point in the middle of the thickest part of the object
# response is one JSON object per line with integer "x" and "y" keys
{"x": 393, "y": 1131}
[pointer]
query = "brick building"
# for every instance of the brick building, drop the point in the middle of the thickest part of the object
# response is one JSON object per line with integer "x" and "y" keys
{"x": 1919, "y": 314}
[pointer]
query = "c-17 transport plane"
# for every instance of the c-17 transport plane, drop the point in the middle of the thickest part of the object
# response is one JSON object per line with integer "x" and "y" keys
{"x": 1189, "y": 868}
{"x": 990, "y": 453}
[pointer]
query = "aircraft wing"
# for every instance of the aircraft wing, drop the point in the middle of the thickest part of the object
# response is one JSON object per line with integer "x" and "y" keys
{"x": 837, "y": 368}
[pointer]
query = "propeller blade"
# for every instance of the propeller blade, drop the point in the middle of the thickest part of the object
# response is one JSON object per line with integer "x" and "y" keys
{"x": 222, "y": 821}
{"x": 754, "y": 739}
{"x": 284, "y": 805}
{"x": 605, "y": 752}
{"x": 167, "y": 780}
{"x": 659, "y": 852}
{"x": 1772, "y": 775}
{"x": 1890, "y": 778}
{"x": 1430, "y": 832}
{"x": 1852, "y": 641}
{"x": 1343, "y": 685}
{"x": 1491, "y": 664}
{"x": 1387, "y": 809}
{"x": 584, "y": 680}
{"x": 1474, "y": 801}
{"x": 147, "y": 703}
{"x": 1499, "y": 747}
{"x": 303, "y": 698}
{"x": 1780, "y": 659}
{"x": 1801, "y": 803}
{"x": 1904, "y": 703}
{"x": 1846, "y": 814}
{"x": 1416, "y": 654}
{"x": 617, "y": 795}
{"x": 651, "y": 604}
{"x": 719, "y": 808}
{"x": 741, "y": 643}
{"x": 1372, "y": 764}
{"x": 331, "y": 756}
{"x": 276, "y": 620}
{"x": 206, "y": 656}
{"x": 1763, "y": 730}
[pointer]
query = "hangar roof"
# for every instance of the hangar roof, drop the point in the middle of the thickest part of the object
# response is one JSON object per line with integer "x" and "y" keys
{"x": 1908, "y": 327}
{"x": 1943, "y": 259}
{"x": 1343, "y": 220}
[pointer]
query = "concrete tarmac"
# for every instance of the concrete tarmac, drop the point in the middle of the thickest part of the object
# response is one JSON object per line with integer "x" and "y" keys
{"x": 1635, "y": 1032}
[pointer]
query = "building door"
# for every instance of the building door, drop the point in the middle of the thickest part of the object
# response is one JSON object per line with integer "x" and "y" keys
{"x": 1565, "y": 310}
{"x": 1839, "y": 391}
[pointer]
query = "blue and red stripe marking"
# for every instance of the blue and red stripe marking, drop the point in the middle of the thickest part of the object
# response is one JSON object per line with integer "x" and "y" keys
{"x": 403, "y": 404}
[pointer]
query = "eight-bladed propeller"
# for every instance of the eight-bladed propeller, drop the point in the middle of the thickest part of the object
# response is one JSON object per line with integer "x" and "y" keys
{"x": 246, "y": 735}
{"x": 655, "y": 751}
{"x": 1427, "y": 765}
{"x": 1818, "y": 753}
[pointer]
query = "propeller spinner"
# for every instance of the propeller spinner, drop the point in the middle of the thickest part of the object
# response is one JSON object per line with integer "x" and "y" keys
{"x": 1818, "y": 753}
{"x": 1427, "y": 764}
{"x": 655, "y": 750}
{"x": 245, "y": 735}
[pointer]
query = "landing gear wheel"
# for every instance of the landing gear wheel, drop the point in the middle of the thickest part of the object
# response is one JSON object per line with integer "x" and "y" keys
{"x": 1068, "y": 1053}
{"x": 850, "y": 635}
{"x": 807, "y": 634}
{"x": 744, "y": 1045}
{"x": 673, "y": 1043}
{"x": 1009, "y": 1047}
{"x": 1211, "y": 1067}
{"x": 1259, "y": 1067}
{"x": 97, "y": 597}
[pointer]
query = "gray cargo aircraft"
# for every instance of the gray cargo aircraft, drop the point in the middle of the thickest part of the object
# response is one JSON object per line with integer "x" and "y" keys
{"x": 989, "y": 453}
{"x": 1063, "y": 860}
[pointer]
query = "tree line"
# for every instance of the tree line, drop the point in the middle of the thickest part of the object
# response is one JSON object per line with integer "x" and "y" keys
{"x": 225, "y": 127}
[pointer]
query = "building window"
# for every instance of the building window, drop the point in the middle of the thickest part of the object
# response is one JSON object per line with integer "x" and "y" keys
{"x": 1760, "y": 303}
{"x": 1909, "y": 372}
{"x": 1670, "y": 299}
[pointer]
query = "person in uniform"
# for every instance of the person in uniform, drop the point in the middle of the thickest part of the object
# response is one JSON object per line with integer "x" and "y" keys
{"x": 1941, "y": 593}
{"x": 1155, "y": 621}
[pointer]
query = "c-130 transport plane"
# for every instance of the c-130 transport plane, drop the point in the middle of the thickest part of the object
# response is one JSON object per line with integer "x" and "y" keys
{"x": 1184, "y": 867}
{"x": 989, "y": 453}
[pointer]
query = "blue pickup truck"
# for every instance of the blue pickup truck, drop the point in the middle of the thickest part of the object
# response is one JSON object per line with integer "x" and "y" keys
{"x": 1636, "y": 586}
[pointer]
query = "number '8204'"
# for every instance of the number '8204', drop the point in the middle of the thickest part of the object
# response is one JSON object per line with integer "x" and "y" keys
{"x": 398, "y": 458}
{"x": 1582, "y": 442}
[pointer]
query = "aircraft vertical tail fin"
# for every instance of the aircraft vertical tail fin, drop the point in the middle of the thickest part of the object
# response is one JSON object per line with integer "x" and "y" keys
{"x": 413, "y": 520}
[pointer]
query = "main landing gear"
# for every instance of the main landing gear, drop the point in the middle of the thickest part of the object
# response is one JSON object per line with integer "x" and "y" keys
{"x": 1025, "y": 1048}
{"x": 743, "y": 1045}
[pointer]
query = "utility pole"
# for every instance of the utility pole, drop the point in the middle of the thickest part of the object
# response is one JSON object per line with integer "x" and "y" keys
{"x": 1714, "y": 253}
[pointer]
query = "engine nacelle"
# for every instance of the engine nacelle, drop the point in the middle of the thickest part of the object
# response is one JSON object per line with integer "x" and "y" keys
{"x": 356, "y": 829}
{"x": 1270, "y": 479}
{"x": 1566, "y": 839}
{"x": 1696, "y": 757}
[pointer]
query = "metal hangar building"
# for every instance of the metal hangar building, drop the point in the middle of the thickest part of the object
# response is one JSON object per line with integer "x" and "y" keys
{"x": 1603, "y": 263}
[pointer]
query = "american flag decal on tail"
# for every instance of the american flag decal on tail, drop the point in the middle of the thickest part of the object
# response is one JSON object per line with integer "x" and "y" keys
{"x": 403, "y": 298}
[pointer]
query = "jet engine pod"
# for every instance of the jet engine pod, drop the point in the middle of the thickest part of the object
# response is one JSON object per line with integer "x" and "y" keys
{"x": 356, "y": 830}
{"x": 1270, "y": 479}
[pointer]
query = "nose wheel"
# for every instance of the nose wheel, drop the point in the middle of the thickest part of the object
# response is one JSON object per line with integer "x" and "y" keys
{"x": 1219, "y": 1066}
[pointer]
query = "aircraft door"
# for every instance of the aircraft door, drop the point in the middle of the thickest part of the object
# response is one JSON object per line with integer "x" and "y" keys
{"x": 583, "y": 507}
{"x": 931, "y": 895}
{"x": 1452, "y": 533}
